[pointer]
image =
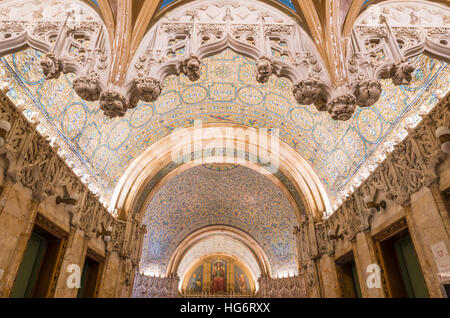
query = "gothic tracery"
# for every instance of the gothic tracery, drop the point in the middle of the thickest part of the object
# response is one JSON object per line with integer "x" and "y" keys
{"x": 357, "y": 93}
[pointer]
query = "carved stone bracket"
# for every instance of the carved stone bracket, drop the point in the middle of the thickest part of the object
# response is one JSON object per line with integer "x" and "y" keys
{"x": 52, "y": 66}
{"x": 264, "y": 69}
{"x": 113, "y": 103}
{"x": 307, "y": 92}
{"x": 177, "y": 43}
{"x": 191, "y": 67}
{"x": 89, "y": 86}
{"x": 342, "y": 107}
{"x": 148, "y": 89}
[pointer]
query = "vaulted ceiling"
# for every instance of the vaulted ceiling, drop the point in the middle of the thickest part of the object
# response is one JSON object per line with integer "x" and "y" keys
{"x": 341, "y": 153}
{"x": 220, "y": 195}
{"x": 226, "y": 92}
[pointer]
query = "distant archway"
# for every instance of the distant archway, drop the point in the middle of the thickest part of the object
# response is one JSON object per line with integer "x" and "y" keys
{"x": 217, "y": 239}
{"x": 188, "y": 143}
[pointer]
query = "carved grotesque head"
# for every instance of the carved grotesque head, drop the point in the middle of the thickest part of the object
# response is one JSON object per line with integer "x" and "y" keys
{"x": 306, "y": 92}
{"x": 367, "y": 93}
{"x": 51, "y": 66}
{"x": 264, "y": 69}
{"x": 113, "y": 104}
{"x": 401, "y": 73}
{"x": 191, "y": 67}
{"x": 342, "y": 107}
{"x": 148, "y": 88}
{"x": 88, "y": 86}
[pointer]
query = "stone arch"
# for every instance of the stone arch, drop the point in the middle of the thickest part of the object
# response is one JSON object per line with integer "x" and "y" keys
{"x": 71, "y": 34}
{"x": 218, "y": 194}
{"x": 22, "y": 34}
{"x": 190, "y": 242}
{"x": 137, "y": 176}
{"x": 428, "y": 39}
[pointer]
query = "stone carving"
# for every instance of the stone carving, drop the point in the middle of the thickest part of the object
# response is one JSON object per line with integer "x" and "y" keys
{"x": 323, "y": 243}
{"x": 401, "y": 73}
{"x": 88, "y": 86}
{"x": 312, "y": 278}
{"x": 342, "y": 107}
{"x": 128, "y": 272}
{"x": 39, "y": 158}
{"x": 155, "y": 287}
{"x": 410, "y": 166}
{"x": 264, "y": 69}
{"x": 308, "y": 253}
{"x": 28, "y": 158}
{"x": 88, "y": 213}
{"x": 321, "y": 103}
{"x": 113, "y": 104}
{"x": 148, "y": 89}
{"x": 288, "y": 287}
{"x": 51, "y": 66}
{"x": 191, "y": 67}
{"x": 383, "y": 45}
{"x": 307, "y": 92}
{"x": 365, "y": 87}
{"x": 367, "y": 93}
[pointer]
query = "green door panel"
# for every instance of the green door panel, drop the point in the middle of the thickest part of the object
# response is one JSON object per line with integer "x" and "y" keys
{"x": 29, "y": 268}
{"x": 410, "y": 268}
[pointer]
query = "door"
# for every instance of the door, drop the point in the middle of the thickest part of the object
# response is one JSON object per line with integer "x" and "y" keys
{"x": 29, "y": 268}
{"x": 410, "y": 268}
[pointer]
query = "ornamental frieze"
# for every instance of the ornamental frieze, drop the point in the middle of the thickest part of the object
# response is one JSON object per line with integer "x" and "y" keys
{"x": 29, "y": 158}
{"x": 410, "y": 166}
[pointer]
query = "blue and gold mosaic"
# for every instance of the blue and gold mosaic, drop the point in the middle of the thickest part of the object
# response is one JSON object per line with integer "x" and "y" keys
{"x": 226, "y": 92}
{"x": 220, "y": 195}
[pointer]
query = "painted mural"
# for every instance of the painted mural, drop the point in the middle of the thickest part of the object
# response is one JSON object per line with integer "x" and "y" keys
{"x": 195, "y": 284}
{"x": 238, "y": 197}
{"x": 226, "y": 92}
{"x": 241, "y": 283}
{"x": 219, "y": 274}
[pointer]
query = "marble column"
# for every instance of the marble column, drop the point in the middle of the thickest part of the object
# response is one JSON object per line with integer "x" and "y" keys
{"x": 75, "y": 255}
{"x": 110, "y": 280}
{"x": 364, "y": 255}
{"x": 329, "y": 277}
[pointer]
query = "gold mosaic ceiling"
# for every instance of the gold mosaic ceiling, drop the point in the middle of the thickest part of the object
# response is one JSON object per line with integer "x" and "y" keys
{"x": 226, "y": 92}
